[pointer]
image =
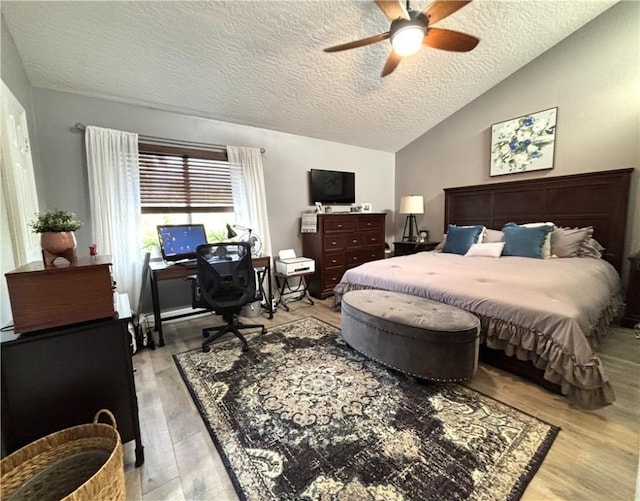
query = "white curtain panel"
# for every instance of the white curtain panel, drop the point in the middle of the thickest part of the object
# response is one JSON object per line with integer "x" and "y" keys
{"x": 114, "y": 189}
{"x": 249, "y": 196}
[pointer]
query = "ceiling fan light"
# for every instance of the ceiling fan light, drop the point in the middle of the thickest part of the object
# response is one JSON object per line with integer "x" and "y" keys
{"x": 407, "y": 40}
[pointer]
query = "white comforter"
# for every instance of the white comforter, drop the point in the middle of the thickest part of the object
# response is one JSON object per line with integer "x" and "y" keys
{"x": 551, "y": 309}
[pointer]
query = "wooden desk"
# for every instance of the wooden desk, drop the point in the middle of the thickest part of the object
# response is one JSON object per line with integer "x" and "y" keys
{"x": 163, "y": 271}
{"x": 57, "y": 378}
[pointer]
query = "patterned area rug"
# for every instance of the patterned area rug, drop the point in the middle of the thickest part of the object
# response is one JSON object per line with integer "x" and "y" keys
{"x": 303, "y": 416}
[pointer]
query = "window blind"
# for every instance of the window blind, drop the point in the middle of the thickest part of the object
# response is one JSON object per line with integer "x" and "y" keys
{"x": 174, "y": 179}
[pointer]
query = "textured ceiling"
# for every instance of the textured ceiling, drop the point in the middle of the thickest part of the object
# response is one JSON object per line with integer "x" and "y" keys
{"x": 261, "y": 63}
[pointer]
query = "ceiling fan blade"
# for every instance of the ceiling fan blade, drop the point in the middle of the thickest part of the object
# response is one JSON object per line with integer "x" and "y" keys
{"x": 440, "y": 9}
{"x": 439, "y": 38}
{"x": 392, "y": 63}
{"x": 359, "y": 43}
{"x": 393, "y": 9}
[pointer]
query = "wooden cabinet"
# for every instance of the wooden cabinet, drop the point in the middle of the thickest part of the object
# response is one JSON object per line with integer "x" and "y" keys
{"x": 406, "y": 248}
{"x": 342, "y": 241}
{"x": 632, "y": 309}
{"x": 61, "y": 377}
{"x": 45, "y": 297}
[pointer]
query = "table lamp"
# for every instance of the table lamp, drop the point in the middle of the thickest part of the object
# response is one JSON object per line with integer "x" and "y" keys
{"x": 411, "y": 205}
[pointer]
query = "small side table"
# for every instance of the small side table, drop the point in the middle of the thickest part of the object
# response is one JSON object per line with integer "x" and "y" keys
{"x": 297, "y": 294}
{"x": 406, "y": 248}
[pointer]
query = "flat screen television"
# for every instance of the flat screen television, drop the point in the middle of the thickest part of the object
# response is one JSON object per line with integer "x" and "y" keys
{"x": 180, "y": 241}
{"x": 332, "y": 187}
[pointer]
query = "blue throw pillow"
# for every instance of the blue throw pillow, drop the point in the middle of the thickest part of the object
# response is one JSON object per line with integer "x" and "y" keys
{"x": 461, "y": 238}
{"x": 524, "y": 242}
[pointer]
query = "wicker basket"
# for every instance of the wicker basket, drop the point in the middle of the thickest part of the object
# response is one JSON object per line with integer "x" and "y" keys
{"x": 76, "y": 464}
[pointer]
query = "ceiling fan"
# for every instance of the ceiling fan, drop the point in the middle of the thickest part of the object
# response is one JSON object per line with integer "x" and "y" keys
{"x": 410, "y": 29}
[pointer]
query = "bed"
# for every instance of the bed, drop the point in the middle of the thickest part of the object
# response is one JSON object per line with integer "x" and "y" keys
{"x": 541, "y": 318}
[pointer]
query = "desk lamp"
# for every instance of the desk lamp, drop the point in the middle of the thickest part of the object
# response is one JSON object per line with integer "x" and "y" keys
{"x": 230, "y": 232}
{"x": 253, "y": 239}
{"x": 243, "y": 228}
{"x": 411, "y": 205}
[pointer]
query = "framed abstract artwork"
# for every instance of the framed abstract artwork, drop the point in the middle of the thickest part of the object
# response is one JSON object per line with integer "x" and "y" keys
{"x": 524, "y": 144}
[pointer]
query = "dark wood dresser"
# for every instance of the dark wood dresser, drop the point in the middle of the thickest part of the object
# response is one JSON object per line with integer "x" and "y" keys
{"x": 50, "y": 296}
{"x": 57, "y": 378}
{"x": 632, "y": 309}
{"x": 342, "y": 241}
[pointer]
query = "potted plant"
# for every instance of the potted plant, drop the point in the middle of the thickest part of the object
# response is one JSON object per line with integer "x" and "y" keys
{"x": 57, "y": 237}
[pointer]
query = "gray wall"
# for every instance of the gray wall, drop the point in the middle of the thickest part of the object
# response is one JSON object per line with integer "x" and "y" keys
{"x": 13, "y": 75}
{"x": 287, "y": 159}
{"x": 593, "y": 77}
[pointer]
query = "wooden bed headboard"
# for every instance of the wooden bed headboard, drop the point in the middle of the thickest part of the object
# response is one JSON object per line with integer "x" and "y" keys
{"x": 597, "y": 199}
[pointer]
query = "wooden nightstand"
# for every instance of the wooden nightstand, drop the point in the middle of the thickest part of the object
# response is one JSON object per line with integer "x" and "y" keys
{"x": 405, "y": 248}
{"x": 632, "y": 310}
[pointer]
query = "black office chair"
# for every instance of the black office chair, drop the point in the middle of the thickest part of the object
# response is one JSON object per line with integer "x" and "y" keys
{"x": 225, "y": 283}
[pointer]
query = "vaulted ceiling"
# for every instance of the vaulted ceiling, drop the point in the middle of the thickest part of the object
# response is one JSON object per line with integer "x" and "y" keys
{"x": 261, "y": 63}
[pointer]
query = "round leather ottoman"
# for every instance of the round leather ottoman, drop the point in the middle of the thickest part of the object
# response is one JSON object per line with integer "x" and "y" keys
{"x": 414, "y": 335}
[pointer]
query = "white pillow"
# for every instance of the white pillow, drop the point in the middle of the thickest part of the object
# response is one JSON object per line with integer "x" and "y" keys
{"x": 546, "y": 247}
{"x": 493, "y": 249}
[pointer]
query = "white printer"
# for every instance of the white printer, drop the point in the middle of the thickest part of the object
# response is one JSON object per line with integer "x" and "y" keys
{"x": 288, "y": 264}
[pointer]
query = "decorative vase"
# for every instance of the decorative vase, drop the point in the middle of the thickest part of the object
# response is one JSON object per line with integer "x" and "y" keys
{"x": 58, "y": 244}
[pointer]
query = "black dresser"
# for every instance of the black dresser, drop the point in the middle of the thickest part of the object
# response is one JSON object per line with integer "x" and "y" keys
{"x": 57, "y": 378}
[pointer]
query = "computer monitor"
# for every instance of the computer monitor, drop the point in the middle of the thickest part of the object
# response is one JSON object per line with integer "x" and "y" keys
{"x": 180, "y": 241}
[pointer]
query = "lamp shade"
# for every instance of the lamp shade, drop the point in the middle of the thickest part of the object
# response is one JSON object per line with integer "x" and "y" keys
{"x": 230, "y": 232}
{"x": 412, "y": 204}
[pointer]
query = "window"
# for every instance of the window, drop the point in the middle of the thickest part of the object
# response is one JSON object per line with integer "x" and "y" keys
{"x": 181, "y": 185}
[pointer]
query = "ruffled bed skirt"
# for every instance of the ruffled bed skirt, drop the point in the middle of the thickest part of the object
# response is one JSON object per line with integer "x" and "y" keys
{"x": 584, "y": 384}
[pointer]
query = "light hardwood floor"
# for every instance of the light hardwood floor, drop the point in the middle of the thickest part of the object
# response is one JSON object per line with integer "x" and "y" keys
{"x": 595, "y": 455}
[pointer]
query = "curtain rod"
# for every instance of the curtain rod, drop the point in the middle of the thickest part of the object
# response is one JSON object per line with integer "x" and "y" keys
{"x": 82, "y": 127}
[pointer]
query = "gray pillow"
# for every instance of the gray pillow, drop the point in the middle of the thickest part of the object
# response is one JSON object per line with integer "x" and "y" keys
{"x": 566, "y": 242}
{"x": 590, "y": 248}
{"x": 492, "y": 236}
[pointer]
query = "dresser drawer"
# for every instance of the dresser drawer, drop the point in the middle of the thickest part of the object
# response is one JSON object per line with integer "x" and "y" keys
{"x": 339, "y": 223}
{"x": 370, "y": 222}
{"x": 333, "y": 259}
{"x": 334, "y": 243}
{"x": 354, "y": 241}
{"x": 331, "y": 277}
{"x": 373, "y": 238}
{"x": 354, "y": 258}
{"x": 372, "y": 254}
